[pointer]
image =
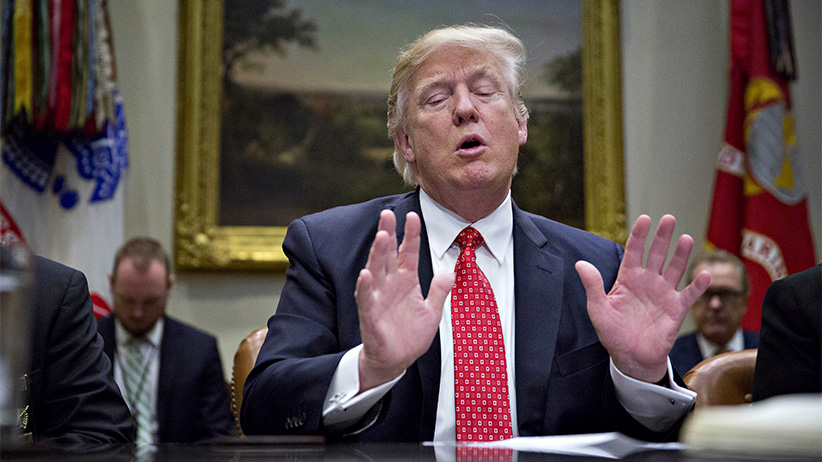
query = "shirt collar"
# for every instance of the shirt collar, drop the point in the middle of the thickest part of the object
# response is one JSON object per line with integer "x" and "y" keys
{"x": 737, "y": 342}
{"x": 708, "y": 348}
{"x": 153, "y": 336}
{"x": 443, "y": 226}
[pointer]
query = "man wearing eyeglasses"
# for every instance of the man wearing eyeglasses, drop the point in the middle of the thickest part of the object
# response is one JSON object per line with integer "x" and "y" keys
{"x": 718, "y": 312}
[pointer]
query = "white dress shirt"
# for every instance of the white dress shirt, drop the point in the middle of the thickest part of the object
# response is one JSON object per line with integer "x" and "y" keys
{"x": 656, "y": 407}
{"x": 151, "y": 351}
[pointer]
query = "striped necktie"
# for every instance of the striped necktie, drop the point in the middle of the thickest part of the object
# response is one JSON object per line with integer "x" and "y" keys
{"x": 135, "y": 372}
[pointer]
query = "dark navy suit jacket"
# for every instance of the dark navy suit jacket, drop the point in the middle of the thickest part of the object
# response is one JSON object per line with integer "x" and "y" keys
{"x": 686, "y": 354}
{"x": 71, "y": 396}
{"x": 790, "y": 352}
{"x": 192, "y": 397}
{"x": 562, "y": 375}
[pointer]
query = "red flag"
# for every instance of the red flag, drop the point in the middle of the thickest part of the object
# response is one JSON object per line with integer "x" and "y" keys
{"x": 760, "y": 209}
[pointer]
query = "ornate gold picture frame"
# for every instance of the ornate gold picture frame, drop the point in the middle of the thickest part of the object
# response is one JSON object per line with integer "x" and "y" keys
{"x": 201, "y": 243}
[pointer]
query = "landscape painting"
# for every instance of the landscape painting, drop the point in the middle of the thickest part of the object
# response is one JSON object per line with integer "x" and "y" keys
{"x": 305, "y": 83}
{"x": 282, "y": 113}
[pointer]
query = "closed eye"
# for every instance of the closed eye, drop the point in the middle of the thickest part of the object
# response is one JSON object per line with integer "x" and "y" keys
{"x": 485, "y": 85}
{"x": 435, "y": 100}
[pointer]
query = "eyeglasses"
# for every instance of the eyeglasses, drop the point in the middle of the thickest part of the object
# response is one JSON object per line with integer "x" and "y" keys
{"x": 725, "y": 295}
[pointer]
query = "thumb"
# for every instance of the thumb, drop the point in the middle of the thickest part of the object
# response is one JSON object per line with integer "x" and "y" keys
{"x": 442, "y": 283}
{"x": 592, "y": 281}
{"x": 696, "y": 288}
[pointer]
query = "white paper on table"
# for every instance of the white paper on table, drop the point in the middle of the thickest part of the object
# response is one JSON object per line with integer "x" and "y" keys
{"x": 612, "y": 445}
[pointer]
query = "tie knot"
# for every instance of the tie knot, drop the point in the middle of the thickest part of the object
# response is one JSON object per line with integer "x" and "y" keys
{"x": 469, "y": 237}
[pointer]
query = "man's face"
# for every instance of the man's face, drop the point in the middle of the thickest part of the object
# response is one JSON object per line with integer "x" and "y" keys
{"x": 462, "y": 134}
{"x": 718, "y": 312}
{"x": 140, "y": 297}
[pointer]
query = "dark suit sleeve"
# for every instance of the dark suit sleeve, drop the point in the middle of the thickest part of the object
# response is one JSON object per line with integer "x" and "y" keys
{"x": 788, "y": 360}
{"x": 74, "y": 397}
{"x": 285, "y": 391}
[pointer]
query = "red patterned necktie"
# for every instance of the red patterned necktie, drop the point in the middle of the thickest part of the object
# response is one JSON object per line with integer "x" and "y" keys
{"x": 480, "y": 377}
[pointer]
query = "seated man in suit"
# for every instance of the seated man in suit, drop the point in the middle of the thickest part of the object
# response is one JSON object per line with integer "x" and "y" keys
{"x": 72, "y": 400}
{"x": 718, "y": 312}
{"x": 366, "y": 343}
{"x": 790, "y": 349}
{"x": 170, "y": 373}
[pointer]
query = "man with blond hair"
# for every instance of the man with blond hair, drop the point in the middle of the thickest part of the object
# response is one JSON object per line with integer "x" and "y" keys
{"x": 486, "y": 322}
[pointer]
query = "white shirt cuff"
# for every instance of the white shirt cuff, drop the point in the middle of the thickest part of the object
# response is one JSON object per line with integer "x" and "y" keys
{"x": 344, "y": 407}
{"x": 651, "y": 405}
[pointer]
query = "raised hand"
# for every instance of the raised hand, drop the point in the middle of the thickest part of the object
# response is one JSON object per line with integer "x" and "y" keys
{"x": 396, "y": 323}
{"x": 639, "y": 319}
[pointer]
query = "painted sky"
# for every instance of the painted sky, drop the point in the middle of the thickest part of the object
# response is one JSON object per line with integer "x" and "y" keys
{"x": 358, "y": 40}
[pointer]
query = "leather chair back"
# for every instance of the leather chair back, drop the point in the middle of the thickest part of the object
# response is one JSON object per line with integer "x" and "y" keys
{"x": 244, "y": 360}
{"x": 725, "y": 379}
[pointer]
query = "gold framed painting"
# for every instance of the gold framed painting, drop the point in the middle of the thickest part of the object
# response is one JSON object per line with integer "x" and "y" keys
{"x": 252, "y": 156}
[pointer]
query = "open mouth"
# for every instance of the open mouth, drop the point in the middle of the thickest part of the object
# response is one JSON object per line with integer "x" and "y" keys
{"x": 470, "y": 142}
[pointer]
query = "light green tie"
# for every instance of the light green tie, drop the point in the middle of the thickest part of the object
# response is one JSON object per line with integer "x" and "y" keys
{"x": 135, "y": 372}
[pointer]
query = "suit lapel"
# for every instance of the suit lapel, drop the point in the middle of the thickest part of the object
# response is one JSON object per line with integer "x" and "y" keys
{"x": 696, "y": 352}
{"x": 166, "y": 379}
{"x": 429, "y": 363}
{"x": 538, "y": 277}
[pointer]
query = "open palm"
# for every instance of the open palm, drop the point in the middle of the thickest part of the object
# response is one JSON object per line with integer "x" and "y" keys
{"x": 396, "y": 323}
{"x": 639, "y": 319}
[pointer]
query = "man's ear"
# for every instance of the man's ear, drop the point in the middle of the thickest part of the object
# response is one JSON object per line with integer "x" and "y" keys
{"x": 170, "y": 282}
{"x": 402, "y": 140}
{"x": 522, "y": 131}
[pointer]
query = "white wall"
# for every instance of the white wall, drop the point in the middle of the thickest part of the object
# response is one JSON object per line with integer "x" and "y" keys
{"x": 807, "y": 104}
{"x": 674, "y": 58}
{"x": 674, "y": 78}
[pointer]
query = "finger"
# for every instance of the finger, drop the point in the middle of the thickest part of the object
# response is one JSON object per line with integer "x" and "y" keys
{"x": 696, "y": 288}
{"x": 679, "y": 262}
{"x": 363, "y": 291}
{"x": 375, "y": 262}
{"x": 592, "y": 281}
{"x": 658, "y": 252}
{"x": 441, "y": 285}
{"x": 635, "y": 247}
{"x": 388, "y": 223}
{"x": 409, "y": 254}
{"x": 382, "y": 253}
